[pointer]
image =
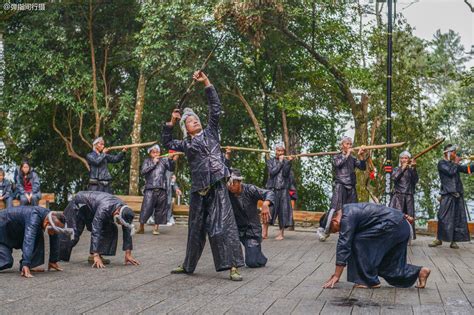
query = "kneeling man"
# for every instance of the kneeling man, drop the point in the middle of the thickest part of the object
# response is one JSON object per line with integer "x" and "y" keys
{"x": 373, "y": 242}
{"x": 22, "y": 228}
{"x": 101, "y": 212}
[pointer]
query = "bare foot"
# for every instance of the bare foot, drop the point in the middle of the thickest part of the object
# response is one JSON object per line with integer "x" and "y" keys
{"x": 279, "y": 237}
{"x": 423, "y": 277}
{"x": 264, "y": 236}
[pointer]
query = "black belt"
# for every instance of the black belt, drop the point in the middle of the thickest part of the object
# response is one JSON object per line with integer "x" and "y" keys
{"x": 93, "y": 181}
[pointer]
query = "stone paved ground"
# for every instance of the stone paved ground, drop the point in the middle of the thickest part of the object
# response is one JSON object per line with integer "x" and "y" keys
{"x": 291, "y": 283}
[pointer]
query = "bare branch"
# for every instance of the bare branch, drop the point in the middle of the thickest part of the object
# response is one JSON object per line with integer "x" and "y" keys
{"x": 94, "y": 70}
{"x": 70, "y": 150}
{"x": 469, "y": 5}
{"x": 81, "y": 120}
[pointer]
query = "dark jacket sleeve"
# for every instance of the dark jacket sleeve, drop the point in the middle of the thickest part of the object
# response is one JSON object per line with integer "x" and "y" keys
{"x": 148, "y": 166}
{"x": 167, "y": 139}
{"x": 360, "y": 164}
{"x": 339, "y": 160}
{"x": 29, "y": 240}
{"x": 348, "y": 226}
{"x": 19, "y": 184}
{"x": 115, "y": 158}
{"x": 262, "y": 194}
{"x": 54, "y": 248}
{"x": 227, "y": 162}
{"x": 214, "y": 106}
{"x": 397, "y": 174}
{"x": 8, "y": 188}
{"x": 415, "y": 176}
{"x": 464, "y": 168}
{"x": 273, "y": 167}
{"x": 171, "y": 165}
{"x": 95, "y": 159}
{"x": 36, "y": 184}
{"x": 127, "y": 239}
{"x": 175, "y": 186}
{"x": 449, "y": 169}
{"x": 286, "y": 168}
{"x": 97, "y": 224}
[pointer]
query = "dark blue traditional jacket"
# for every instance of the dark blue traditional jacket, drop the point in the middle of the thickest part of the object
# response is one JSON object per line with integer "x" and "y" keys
{"x": 22, "y": 228}
{"x": 203, "y": 151}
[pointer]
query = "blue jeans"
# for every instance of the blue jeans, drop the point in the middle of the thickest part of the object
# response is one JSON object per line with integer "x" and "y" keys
{"x": 35, "y": 198}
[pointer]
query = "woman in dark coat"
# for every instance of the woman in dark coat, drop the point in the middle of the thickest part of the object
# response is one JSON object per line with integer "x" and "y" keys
{"x": 210, "y": 210}
{"x": 372, "y": 242}
{"x": 28, "y": 185}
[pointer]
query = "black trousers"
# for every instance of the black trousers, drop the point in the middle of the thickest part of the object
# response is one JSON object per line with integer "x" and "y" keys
{"x": 385, "y": 256}
{"x": 155, "y": 202}
{"x": 212, "y": 214}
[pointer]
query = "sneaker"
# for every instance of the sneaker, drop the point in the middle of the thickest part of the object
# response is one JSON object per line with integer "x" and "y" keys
{"x": 156, "y": 232}
{"x": 235, "y": 275}
{"x": 150, "y": 221}
{"x": 178, "y": 270}
{"x": 454, "y": 245}
{"x": 435, "y": 243}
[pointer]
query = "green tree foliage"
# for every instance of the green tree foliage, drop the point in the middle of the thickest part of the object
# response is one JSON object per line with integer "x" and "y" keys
{"x": 315, "y": 63}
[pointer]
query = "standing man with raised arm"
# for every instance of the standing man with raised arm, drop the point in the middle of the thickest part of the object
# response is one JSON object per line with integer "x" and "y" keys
{"x": 210, "y": 210}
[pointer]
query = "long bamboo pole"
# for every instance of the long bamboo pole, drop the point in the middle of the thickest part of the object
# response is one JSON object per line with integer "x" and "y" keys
{"x": 244, "y": 149}
{"x": 428, "y": 149}
{"x": 128, "y": 146}
{"x": 366, "y": 147}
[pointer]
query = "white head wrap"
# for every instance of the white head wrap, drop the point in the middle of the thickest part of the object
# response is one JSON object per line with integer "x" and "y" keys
{"x": 451, "y": 148}
{"x": 154, "y": 147}
{"x": 97, "y": 140}
{"x": 324, "y": 232}
{"x": 279, "y": 145}
{"x": 405, "y": 153}
{"x": 57, "y": 229}
{"x": 235, "y": 175}
{"x": 119, "y": 218}
{"x": 345, "y": 139}
{"x": 187, "y": 112}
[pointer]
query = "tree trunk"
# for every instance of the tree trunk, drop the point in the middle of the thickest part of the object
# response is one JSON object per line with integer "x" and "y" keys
{"x": 94, "y": 72}
{"x": 361, "y": 137}
{"x": 136, "y": 136}
{"x": 286, "y": 137}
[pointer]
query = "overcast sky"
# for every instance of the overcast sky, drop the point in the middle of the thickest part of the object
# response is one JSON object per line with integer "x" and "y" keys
{"x": 427, "y": 16}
